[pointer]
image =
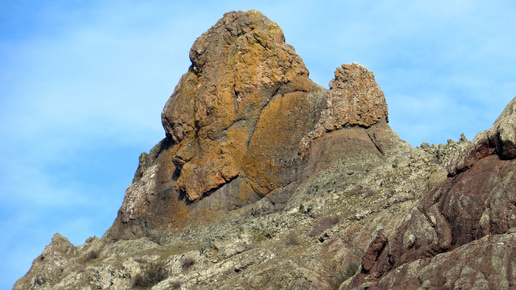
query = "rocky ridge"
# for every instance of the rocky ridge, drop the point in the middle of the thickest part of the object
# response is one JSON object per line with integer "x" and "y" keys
{"x": 266, "y": 180}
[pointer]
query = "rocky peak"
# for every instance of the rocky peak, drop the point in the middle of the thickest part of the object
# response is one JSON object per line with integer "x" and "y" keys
{"x": 266, "y": 180}
{"x": 241, "y": 124}
{"x": 238, "y": 66}
{"x": 50, "y": 266}
{"x": 354, "y": 99}
{"x": 59, "y": 246}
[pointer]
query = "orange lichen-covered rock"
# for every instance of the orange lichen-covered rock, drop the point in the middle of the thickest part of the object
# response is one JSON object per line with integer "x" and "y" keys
{"x": 241, "y": 123}
{"x": 272, "y": 157}
{"x": 238, "y": 66}
{"x": 355, "y": 99}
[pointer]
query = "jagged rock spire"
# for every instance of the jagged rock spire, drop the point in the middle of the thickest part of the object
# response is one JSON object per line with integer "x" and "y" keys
{"x": 238, "y": 66}
{"x": 246, "y": 120}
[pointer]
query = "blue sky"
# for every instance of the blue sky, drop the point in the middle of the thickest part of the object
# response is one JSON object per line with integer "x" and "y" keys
{"x": 83, "y": 83}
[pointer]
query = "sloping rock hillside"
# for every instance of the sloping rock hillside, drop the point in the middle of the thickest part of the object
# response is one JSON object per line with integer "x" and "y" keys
{"x": 266, "y": 180}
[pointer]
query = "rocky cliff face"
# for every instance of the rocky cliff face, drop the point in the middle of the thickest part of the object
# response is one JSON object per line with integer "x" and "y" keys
{"x": 266, "y": 180}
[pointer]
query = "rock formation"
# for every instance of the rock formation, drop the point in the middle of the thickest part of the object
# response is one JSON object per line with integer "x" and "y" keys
{"x": 266, "y": 180}
{"x": 477, "y": 200}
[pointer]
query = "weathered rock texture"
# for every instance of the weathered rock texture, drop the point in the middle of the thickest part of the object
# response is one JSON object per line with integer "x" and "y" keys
{"x": 241, "y": 123}
{"x": 266, "y": 180}
{"x": 478, "y": 199}
{"x": 243, "y": 77}
{"x": 51, "y": 265}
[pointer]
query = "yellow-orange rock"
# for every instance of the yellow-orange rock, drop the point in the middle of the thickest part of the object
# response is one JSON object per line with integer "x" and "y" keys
{"x": 238, "y": 66}
{"x": 355, "y": 99}
{"x": 245, "y": 120}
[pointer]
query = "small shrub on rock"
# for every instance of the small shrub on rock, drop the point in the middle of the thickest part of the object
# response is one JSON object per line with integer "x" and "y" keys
{"x": 369, "y": 192}
{"x": 323, "y": 225}
{"x": 187, "y": 262}
{"x": 92, "y": 255}
{"x": 292, "y": 240}
{"x": 351, "y": 270}
{"x": 138, "y": 281}
{"x": 340, "y": 276}
{"x": 154, "y": 273}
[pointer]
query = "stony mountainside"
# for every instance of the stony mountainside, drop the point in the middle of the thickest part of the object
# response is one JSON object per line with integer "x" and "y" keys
{"x": 266, "y": 180}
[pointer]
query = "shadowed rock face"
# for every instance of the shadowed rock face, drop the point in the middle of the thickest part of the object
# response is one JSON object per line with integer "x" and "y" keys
{"x": 266, "y": 180}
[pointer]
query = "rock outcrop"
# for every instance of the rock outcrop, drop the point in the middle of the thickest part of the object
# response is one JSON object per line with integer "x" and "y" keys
{"x": 243, "y": 76}
{"x": 266, "y": 180}
{"x": 478, "y": 199}
{"x": 355, "y": 99}
{"x": 51, "y": 265}
{"x": 241, "y": 123}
